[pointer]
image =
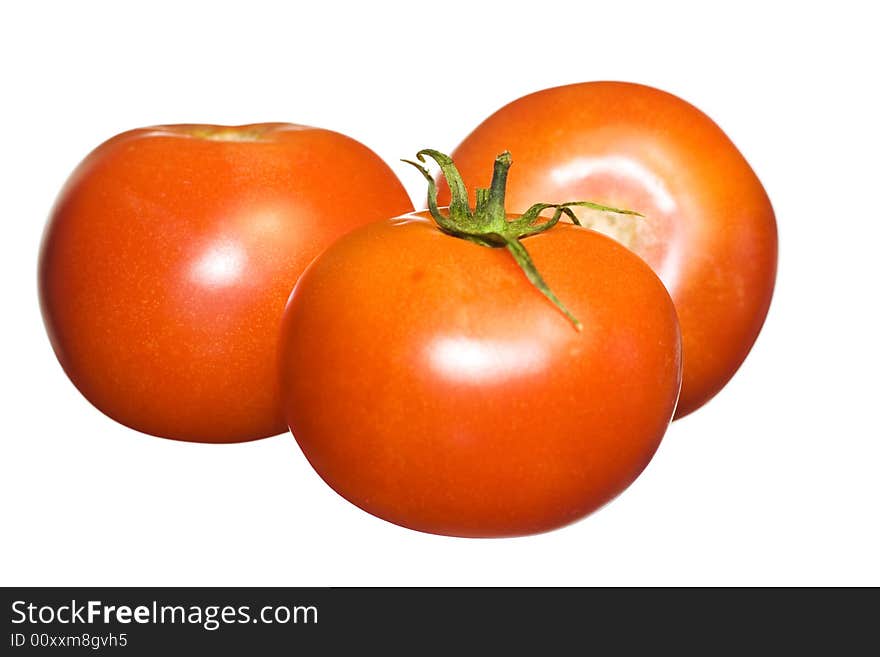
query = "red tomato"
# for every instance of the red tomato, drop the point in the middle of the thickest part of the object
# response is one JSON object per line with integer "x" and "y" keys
{"x": 431, "y": 384}
{"x": 709, "y": 230}
{"x": 170, "y": 254}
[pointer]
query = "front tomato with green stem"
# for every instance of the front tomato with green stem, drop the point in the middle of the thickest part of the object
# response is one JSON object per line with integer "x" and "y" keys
{"x": 467, "y": 372}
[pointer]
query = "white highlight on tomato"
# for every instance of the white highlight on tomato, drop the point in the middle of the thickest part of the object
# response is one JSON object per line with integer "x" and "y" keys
{"x": 474, "y": 360}
{"x": 221, "y": 264}
{"x": 584, "y": 167}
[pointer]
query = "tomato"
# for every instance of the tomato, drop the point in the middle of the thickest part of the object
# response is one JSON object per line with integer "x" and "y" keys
{"x": 430, "y": 383}
{"x": 170, "y": 254}
{"x": 709, "y": 230}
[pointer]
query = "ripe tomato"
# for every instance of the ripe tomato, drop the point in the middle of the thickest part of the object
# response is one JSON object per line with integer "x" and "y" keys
{"x": 709, "y": 230}
{"x": 169, "y": 256}
{"x": 428, "y": 382}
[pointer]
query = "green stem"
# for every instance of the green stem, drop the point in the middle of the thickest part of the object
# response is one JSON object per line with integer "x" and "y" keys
{"x": 487, "y": 224}
{"x": 498, "y": 189}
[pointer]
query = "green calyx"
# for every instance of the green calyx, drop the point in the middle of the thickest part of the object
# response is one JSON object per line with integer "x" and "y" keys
{"x": 487, "y": 224}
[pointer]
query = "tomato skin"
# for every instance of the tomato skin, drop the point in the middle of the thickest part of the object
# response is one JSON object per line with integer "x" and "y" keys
{"x": 709, "y": 231}
{"x": 170, "y": 254}
{"x": 429, "y": 383}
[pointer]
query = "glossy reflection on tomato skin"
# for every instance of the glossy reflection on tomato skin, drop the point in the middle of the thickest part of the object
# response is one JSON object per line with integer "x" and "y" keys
{"x": 429, "y": 383}
{"x": 170, "y": 254}
{"x": 709, "y": 229}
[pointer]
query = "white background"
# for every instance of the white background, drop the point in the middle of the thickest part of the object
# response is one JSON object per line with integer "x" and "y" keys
{"x": 774, "y": 482}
